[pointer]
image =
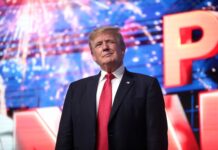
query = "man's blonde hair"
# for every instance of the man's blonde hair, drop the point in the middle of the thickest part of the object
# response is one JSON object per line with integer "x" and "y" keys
{"x": 109, "y": 29}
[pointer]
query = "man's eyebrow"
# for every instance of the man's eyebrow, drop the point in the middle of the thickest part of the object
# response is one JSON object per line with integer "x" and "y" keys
{"x": 98, "y": 42}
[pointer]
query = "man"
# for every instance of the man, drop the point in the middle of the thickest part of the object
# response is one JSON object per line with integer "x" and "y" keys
{"x": 116, "y": 109}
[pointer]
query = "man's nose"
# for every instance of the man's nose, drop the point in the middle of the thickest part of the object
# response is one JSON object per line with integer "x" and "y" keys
{"x": 105, "y": 45}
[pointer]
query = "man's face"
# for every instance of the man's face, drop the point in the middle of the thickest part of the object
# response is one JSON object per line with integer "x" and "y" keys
{"x": 106, "y": 51}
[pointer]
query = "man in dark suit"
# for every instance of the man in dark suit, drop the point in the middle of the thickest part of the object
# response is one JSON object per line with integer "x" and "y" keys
{"x": 116, "y": 109}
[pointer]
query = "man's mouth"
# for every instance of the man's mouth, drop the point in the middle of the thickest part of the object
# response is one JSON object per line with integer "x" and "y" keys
{"x": 107, "y": 55}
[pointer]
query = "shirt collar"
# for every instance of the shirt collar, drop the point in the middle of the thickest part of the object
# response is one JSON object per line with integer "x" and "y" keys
{"x": 118, "y": 73}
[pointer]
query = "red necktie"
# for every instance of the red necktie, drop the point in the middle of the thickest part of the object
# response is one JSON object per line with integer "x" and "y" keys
{"x": 104, "y": 110}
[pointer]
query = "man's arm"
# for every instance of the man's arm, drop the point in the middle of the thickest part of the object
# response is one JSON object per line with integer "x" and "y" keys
{"x": 65, "y": 133}
{"x": 156, "y": 119}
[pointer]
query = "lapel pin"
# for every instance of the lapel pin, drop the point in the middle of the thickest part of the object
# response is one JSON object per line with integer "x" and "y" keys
{"x": 127, "y": 82}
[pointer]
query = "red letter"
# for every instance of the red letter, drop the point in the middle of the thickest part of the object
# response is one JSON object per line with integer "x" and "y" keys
{"x": 180, "y": 50}
{"x": 36, "y": 129}
{"x": 208, "y": 106}
{"x": 180, "y": 134}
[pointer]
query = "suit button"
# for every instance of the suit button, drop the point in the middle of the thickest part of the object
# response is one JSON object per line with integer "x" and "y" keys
{"x": 110, "y": 133}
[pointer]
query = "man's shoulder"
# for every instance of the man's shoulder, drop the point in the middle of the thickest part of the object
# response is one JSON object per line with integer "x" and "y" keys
{"x": 143, "y": 79}
{"x": 85, "y": 80}
{"x": 140, "y": 76}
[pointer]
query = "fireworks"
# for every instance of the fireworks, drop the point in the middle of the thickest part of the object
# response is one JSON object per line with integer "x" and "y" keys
{"x": 43, "y": 43}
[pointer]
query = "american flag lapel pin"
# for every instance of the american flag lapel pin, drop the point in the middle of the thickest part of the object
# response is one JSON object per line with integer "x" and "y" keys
{"x": 127, "y": 82}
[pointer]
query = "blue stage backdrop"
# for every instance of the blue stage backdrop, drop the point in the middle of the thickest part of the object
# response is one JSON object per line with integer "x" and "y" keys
{"x": 43, "y": 47}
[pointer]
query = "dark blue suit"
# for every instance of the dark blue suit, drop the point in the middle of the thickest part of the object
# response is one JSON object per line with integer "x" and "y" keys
{"x": 137, "y": 120}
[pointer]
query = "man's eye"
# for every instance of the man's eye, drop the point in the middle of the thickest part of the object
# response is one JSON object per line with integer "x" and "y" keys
{"x": 98, "y": 44}
{"x": 111, "y": 41}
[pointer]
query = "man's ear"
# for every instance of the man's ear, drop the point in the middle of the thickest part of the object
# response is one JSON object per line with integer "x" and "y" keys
{"x": 93, "y": 56}
{"x": 123, "y": 48}
{"x": 123, "y": 51}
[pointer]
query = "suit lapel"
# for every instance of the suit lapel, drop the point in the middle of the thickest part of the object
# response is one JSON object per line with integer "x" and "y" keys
{"x": 92, "y": 90}
{"x": 125, "y": 85}
{"x": 87, "y": 110}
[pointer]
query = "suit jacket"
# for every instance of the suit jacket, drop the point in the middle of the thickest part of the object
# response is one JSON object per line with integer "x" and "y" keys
{"x": 137, "y": 119}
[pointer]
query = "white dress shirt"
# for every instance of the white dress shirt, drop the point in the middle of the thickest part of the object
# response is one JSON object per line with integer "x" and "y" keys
{"x": 115, "y": 83}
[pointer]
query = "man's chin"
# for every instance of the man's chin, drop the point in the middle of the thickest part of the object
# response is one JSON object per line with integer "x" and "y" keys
{"x": 108, "y": 62}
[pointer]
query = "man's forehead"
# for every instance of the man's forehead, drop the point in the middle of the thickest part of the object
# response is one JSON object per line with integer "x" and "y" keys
{"x": 103, "y": 36}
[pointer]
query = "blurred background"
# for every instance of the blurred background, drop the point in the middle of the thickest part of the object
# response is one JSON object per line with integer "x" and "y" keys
{"x": 44, "y": 47}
